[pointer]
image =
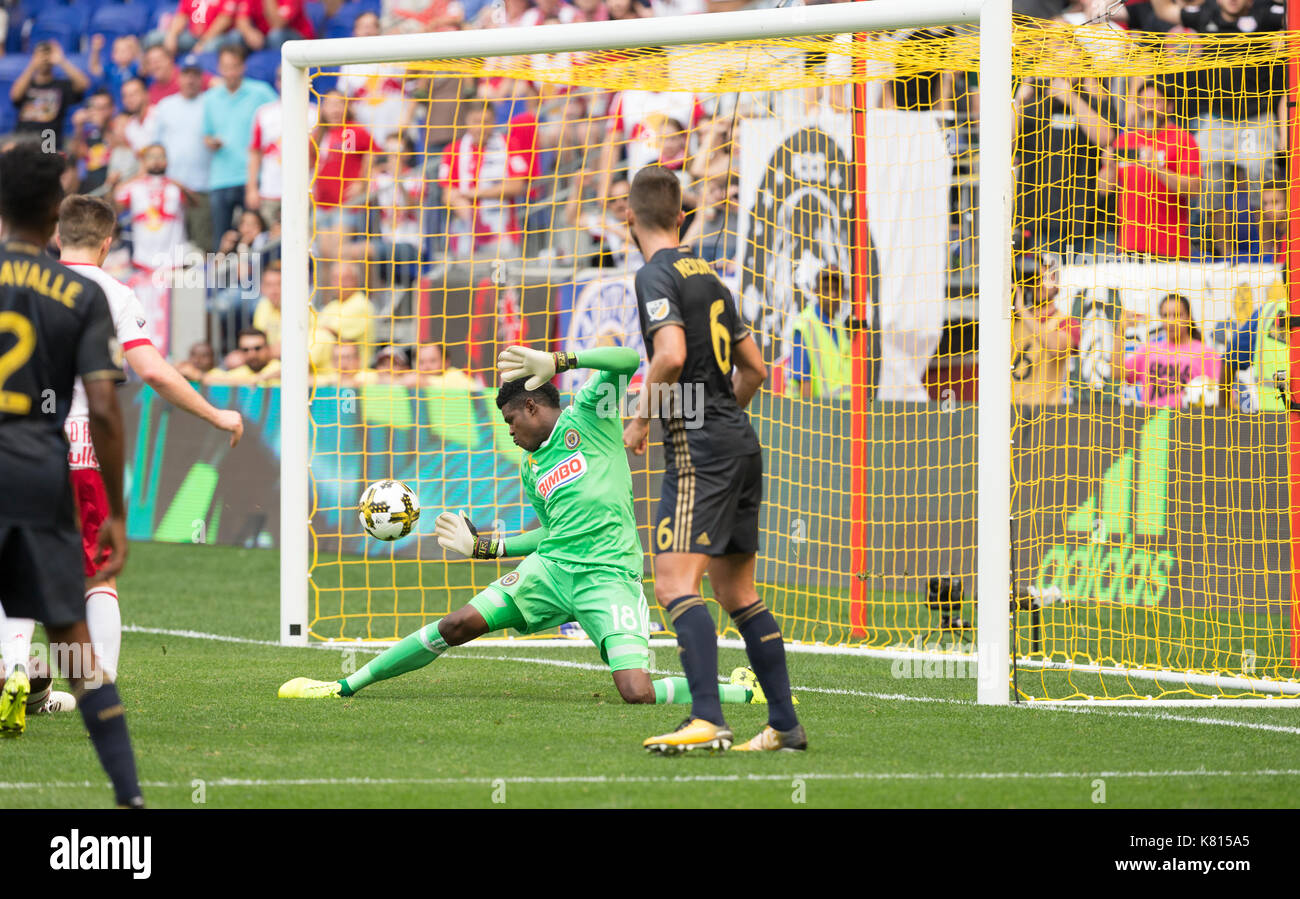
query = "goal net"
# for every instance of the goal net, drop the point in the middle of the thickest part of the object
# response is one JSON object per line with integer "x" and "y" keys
{"x": 1104, "y": 381}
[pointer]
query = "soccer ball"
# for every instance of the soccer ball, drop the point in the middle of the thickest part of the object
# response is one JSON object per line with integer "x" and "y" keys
{"x": 389, "y": 510}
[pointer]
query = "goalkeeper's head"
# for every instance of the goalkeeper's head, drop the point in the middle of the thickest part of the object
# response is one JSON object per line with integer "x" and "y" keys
{"x": 531, "y": 414}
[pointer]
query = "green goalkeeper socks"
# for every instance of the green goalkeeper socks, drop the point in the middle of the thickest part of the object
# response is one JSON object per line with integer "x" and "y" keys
{"x": 678, "y": 689}
{"x": 415, "y": 651}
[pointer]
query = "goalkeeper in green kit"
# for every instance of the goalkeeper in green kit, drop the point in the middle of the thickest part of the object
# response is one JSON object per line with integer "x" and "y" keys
{"x": 583, "y": 564}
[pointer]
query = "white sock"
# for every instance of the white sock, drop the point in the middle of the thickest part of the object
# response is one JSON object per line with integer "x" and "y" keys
{"x": 15, "y": 641}
{"x": 104, "y": 619}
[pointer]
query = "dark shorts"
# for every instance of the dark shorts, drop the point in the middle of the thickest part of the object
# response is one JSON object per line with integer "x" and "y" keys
{"x": 710, "y": 508}
{"x": 40, "y": 574}
{"x": 92, "y": 509}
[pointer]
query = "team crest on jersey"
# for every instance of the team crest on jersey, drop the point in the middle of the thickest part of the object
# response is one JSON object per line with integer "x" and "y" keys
{"x": 657, "y": 309}
{"x": 570, "y": 469}
{"x": 571, "y": 439}
{"x": 510, "y": 579}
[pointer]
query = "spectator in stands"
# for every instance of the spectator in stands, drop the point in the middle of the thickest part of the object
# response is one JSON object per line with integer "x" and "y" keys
{"x": 123, "y": 162}
{"x": 397, "y": 199}
{"x": 153, "y": 204}
{"x": 341, "y": 152}
{"x": 431, "y": 370}
{"x": 266, "y": 317}
{"x": 178, "y": 122}
{"x": 637, "y": 118}
{"x": 235, "y": 271}
{"x": 89, "y": 142}
{"x": 415, "y": 16}
{"x": 165, "y": 76}
{"x": 140, "y": 130}
{"x": 1155, "y": 170}
{"x": 485, "y": 174}
{"x": 392, "y": 365}
{"x": 1234, "y": 105}
{"x": 123, "y": 65}
{"x": 200, "y": 361}
{"x": 591, "y": 11}
{"x": 627, "y": 9}
{"x": 376, "y": 93}
{"x": 346, "y": 315}
{"x": 197, "y": 27}
{"x": 1061, "y": 126}
{"x": 611, "y": 237}
{"x": 1043, "y": 337}
{"x": 713, "y": 232}
{"x": 265, "y": 170}
{"x": 228, "y": 111}
{"x": 1230, "y": 224}
{"x": 344, "y": 368}
{"x": 1163, "y": 369}
{"x": 42, "y": 99}
{"x": 820, "y": 361}
{"x": 267, "y": 24}
{"x": 1274, "y": 221}
{"x": 258, "y": 366}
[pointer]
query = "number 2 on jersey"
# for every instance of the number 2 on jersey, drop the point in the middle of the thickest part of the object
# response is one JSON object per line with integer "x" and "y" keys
{"x": 15, "y": 358}
{"x": 720, "y": 335}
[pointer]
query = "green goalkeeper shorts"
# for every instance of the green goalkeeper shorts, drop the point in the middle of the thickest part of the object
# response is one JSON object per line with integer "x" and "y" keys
{"x": 607, "y": 603}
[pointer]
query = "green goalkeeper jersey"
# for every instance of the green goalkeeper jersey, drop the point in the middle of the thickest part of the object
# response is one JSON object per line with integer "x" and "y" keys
{"x": 580, "y": 484}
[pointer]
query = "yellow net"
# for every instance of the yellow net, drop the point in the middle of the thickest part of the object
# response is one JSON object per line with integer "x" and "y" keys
{"x": 832, "y": 184}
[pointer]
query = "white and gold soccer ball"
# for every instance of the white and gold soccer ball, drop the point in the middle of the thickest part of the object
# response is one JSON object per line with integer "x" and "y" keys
{"x": 389, "y": 510}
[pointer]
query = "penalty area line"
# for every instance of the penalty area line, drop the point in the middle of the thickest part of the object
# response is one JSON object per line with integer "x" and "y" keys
{"x": 544, "y": 780}
{"x": 476, "y": 652}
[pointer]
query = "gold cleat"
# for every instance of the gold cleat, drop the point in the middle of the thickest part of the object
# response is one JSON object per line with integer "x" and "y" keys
{"x": 693, "y": 733}
{"x": 769, "y": 739}
{"x": 745, "y": 677}
{"x": 13, "y": 703}
{"x": 306, "y": 688}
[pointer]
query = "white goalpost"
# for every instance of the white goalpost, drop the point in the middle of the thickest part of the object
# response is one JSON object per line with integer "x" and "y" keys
{"x": 992, "y": 532}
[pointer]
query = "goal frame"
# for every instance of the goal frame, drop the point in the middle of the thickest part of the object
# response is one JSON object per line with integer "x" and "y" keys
{"x": 993, "y": 17}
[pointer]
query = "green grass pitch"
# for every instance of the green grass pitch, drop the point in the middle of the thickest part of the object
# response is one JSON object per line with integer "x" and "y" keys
{"x": 539, "y": 727}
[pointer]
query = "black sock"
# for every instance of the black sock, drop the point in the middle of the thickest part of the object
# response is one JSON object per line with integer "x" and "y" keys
{"x": 105, "y": 719}
{"x": 766, "y": 651}
{"x": 697, "y": 645}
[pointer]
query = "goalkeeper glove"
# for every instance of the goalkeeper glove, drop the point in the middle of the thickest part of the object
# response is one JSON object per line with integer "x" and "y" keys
{"x": 519, "y": 361}
{"x": 457, "y": 532}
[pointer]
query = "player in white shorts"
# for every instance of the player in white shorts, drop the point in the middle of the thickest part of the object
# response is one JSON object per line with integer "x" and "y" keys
{"x": 85, "y": 234}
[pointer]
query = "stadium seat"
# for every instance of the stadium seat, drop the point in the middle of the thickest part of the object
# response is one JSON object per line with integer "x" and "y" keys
{"x": 261, "y": 66}
{"x": 64, "y": 24}
{"x": 316, "y": 13}
{"x": 340, "y": 25}
{"x": 12, "y": 66}
{"x": 115, "y": 20}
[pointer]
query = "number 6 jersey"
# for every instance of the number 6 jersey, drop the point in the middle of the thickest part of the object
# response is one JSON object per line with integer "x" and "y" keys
{"x": 702, "y": 420}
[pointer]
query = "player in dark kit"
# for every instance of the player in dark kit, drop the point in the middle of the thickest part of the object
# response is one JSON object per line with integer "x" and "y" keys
{"x": 704, "y": 369}
{"x": 54, "y": 326}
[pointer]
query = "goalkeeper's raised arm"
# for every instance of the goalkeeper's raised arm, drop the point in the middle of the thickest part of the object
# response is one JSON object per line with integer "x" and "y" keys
{"x": 539, "y": 367}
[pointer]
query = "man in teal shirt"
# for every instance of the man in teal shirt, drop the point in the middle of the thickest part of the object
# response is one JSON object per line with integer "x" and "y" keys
{"x": 228, "y": 110}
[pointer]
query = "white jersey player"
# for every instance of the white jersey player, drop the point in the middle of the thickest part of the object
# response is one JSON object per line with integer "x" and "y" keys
{"x": 85, "y": 235}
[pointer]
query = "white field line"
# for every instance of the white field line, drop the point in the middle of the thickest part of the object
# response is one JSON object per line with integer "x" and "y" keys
{"x": 460, "y": 653}
{"x": 661, "y": 779}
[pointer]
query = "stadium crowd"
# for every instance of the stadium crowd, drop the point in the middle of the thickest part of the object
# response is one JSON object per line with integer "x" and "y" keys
{"x": 171, "y": 110}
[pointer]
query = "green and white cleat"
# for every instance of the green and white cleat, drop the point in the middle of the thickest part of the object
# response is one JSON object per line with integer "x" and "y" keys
{"x": 306, "y": 688}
